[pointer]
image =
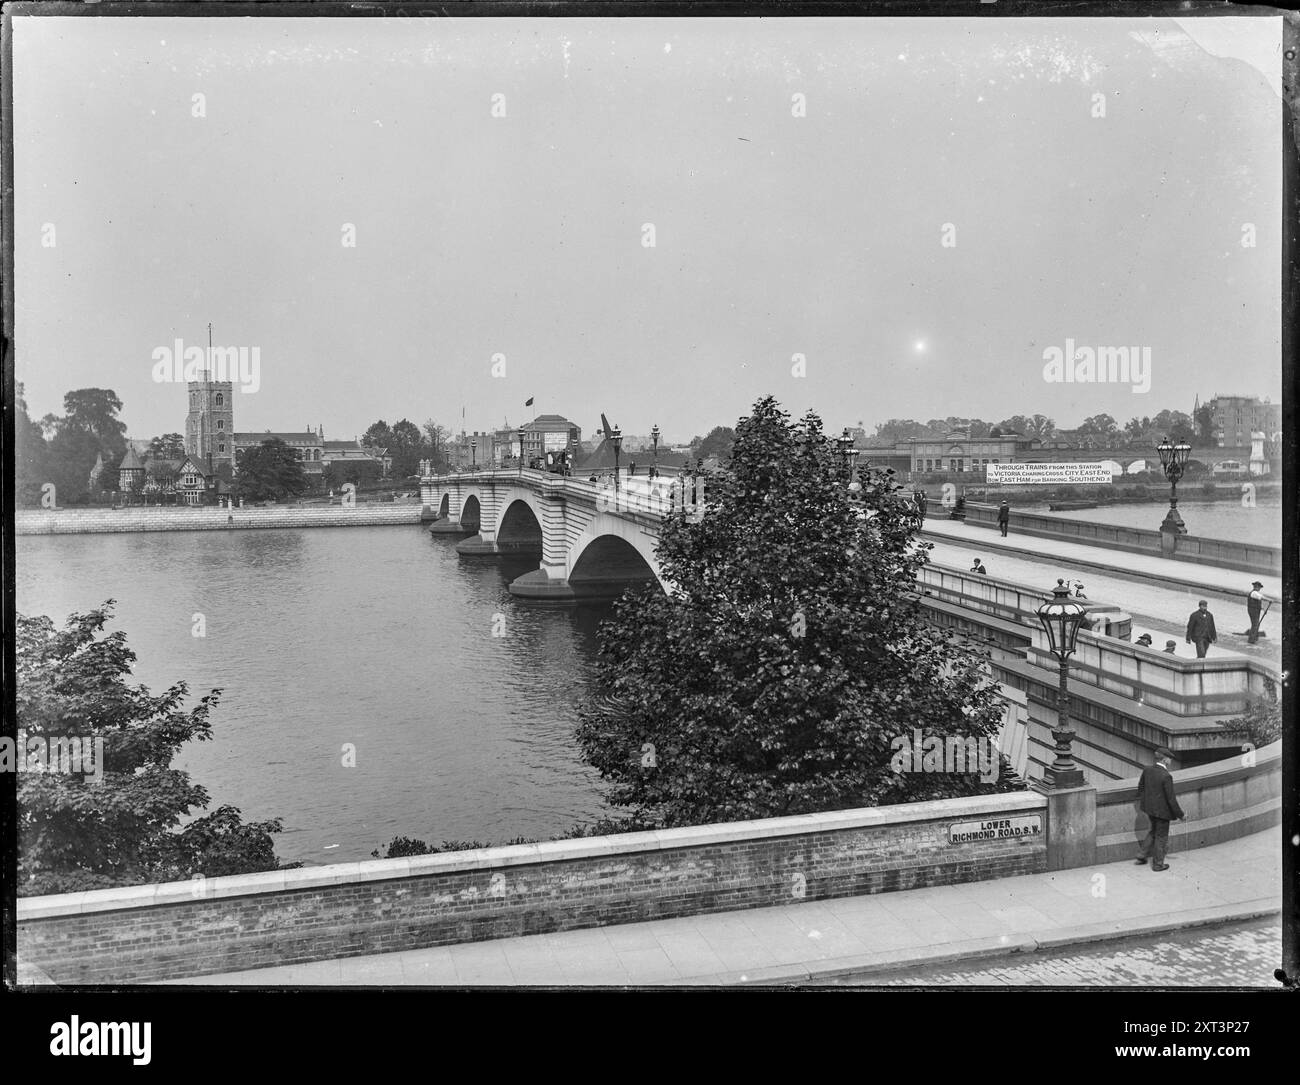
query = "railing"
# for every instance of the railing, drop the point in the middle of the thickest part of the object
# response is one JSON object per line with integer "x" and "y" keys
{"x": 631, "y": 494}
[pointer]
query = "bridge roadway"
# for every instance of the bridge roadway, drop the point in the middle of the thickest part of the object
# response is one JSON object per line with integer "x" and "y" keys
{"x": 1159, "y": 592}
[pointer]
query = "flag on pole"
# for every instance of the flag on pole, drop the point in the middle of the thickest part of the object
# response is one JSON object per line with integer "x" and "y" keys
{"x": 528, "y": 402}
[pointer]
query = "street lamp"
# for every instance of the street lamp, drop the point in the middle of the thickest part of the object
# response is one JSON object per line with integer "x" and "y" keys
{"x": 616, "y": 439}
{"x": 654, "y": 454}
{"x": 473, "y": 453}
{"x": 849, "y": 453}
{"x": 1061, "y": 618}
{"x": 521, "y": 450}
{"x": 1173, "y": 461}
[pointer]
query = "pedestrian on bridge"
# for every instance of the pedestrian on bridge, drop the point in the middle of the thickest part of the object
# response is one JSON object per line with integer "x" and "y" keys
{"x": 1004, "y": 517}
{"x": 1254, "y": 602}
{"x": 1200, "y": 629}
{"x": 1156, "y": 799}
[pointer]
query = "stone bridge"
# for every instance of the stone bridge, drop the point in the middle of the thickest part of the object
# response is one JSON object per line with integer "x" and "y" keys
{"x": 592, "y": 540}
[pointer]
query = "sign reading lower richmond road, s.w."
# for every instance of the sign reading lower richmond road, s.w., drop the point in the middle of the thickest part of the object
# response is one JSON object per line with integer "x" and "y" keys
{"x": 1036, "y": 474}
{"x": 967, "y": 832}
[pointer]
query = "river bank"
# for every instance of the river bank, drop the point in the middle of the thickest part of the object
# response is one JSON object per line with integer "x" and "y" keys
{"x": 109, "y": 521}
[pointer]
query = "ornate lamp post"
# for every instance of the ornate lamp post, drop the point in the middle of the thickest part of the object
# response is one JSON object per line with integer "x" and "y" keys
{"x": 1061, "y": 618}
{"x": 1173, "y": 461}
{"x": 849, "y": 454}
{"x": 654, "y": 454}
{"x": 616, "y": 439}
{"x": 473, "y": 453}
{"x": 521, "y": 450}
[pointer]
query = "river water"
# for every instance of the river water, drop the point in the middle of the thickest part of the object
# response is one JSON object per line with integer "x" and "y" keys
{"x": 1260, "y": 524}
{"x": 379, "y": 637}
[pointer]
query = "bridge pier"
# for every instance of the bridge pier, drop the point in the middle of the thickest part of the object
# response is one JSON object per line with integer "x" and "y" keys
{"x": 445, "y": 526}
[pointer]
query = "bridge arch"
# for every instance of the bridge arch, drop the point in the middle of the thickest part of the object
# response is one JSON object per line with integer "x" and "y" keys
{"x": 611, "y": 551}
{"x": 519, "y": 527}
{"x": 445, "y": 506}
{"x": 471, "y": 513}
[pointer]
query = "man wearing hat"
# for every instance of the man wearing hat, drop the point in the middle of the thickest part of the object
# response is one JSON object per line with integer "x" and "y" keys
{"x": 1171, "y": 646}
{"x": 1253, "y": 603}
{"x": 1144, "y": 640}
{"x": 1200, "y": 629}
{"x": 1156, "y": 799}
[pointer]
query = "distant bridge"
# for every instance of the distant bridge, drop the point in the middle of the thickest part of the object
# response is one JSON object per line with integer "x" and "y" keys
{"x": 592, "y": 540}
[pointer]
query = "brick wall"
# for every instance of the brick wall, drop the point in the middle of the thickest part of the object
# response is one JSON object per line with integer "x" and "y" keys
{"x": 226, "y": 924}
{"x": 91, "y": 521}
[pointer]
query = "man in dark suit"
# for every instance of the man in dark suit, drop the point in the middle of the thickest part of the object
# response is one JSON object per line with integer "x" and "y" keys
{"x": 1156, "y": 799}
{"x": 1200, "y": 629}
{"x": 1004, "y": 517}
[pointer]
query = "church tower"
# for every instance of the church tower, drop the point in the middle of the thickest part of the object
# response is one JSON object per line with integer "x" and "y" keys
{"x": 210, "y": 424}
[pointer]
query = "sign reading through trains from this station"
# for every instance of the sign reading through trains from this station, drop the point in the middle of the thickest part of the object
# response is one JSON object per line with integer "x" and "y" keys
{"x": 967, "y": 832}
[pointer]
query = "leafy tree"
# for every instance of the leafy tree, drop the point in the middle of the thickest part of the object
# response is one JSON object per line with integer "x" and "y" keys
{"x": 898, "y": 430}
{"x": 89, "y": 428}
{"x": 406, "y": 446}
{"x": 358, "y": 472}
{"x": 1017, "y": 423}
{"x": 379, "y": 435}
{"x": 1204, "y": 421}
{"x": 436, "y": 438}
{"x": 1040, "y": 426}
{"x": 78, "y": 833}
{"x": 716, "y": 443}
{"x": 31, "y": 453}
{"x": 1098, "y": 425}
{"x": 270, "y": 472}
{"x": 170, "y": 446}
{"x": 790, "y": 652}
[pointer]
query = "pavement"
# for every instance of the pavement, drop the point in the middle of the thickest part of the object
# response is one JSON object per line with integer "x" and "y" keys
{"x": 1159, "y": 592}
{"x": 813, "y": 940}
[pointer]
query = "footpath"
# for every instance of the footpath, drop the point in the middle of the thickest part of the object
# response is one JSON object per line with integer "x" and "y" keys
{"x": 849, "y": 936}
{"x": 1143, "y": 567}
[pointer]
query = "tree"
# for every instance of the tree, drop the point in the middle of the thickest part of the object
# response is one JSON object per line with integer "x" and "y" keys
{"x": 898, "y": 430}
{"x": 790, "y": 653}
{"x": 1204, "y": 420}
{"x": 1017, "y": 423}
{"x": 1040, "y": 426}
{"x": 1098, "y": 425}
{"x": 170, "y": 446}
{"x": 716, "y": 443}
{"x": 80, "y": 833}
{"x": 88, "y": 429}
{"x": 379, "y": 435}
{"x": 406, "y": 446}
{"x": 270, "y": 472}
{"x": 358, "y": 472}
{"x": 436, "y": 442}
{"x": 31, "y": 453}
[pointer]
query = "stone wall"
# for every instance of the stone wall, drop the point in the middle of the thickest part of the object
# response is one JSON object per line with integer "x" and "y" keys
{"x": 226, "y": 924}
{"x": 92, "y": 521}
{"x": 1223, "y": 801}
{"x": 1228, "y": 554}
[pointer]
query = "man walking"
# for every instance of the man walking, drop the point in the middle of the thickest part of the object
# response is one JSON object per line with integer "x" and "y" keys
{"x": 1156, "y": 799}
{"x": 1004, "y": 517}
{"x": 1254, "y": 601}
{"x": 1200, "y": 629}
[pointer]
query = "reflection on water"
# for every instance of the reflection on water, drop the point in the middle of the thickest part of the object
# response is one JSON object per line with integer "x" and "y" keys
{"x": 1260, "y": 524}
{"x": 378, "y": 638}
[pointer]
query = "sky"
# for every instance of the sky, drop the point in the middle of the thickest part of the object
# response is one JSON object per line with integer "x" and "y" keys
{"x": 955, "y": 200}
